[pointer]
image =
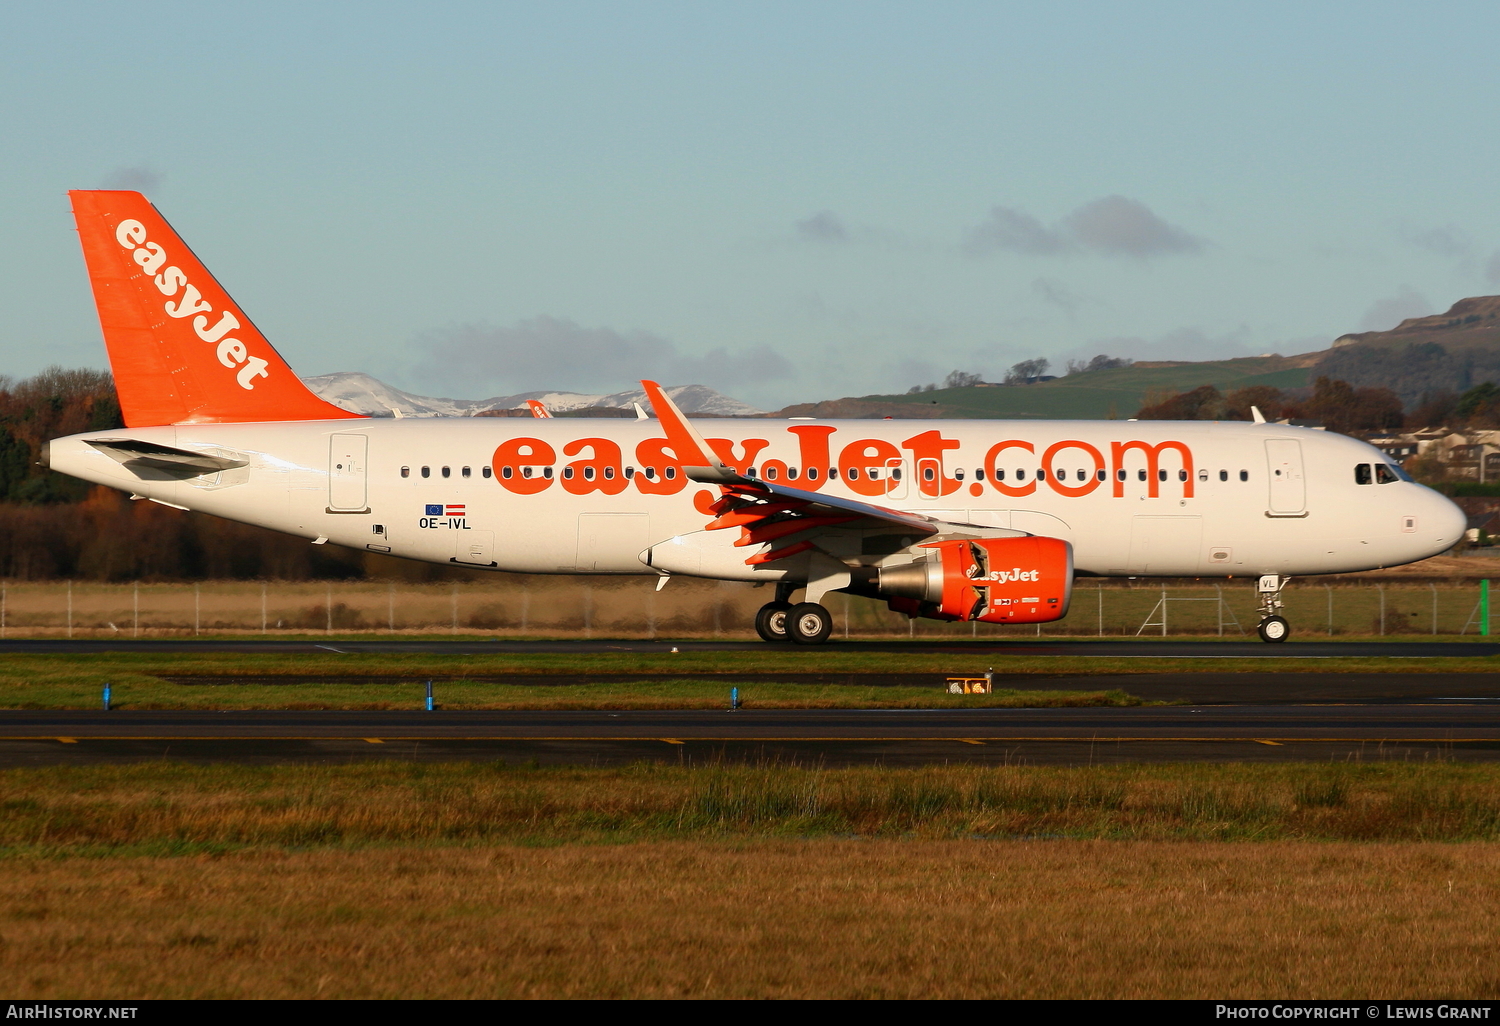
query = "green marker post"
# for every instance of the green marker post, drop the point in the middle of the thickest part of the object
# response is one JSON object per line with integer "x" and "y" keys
{"x": 1484, "y": 607}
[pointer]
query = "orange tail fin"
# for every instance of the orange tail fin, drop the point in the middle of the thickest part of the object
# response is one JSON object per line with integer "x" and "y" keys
{"x": 181, "y": 350}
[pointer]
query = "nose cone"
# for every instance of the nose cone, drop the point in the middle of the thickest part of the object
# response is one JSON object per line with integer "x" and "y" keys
{"x": 1442, "y": 525}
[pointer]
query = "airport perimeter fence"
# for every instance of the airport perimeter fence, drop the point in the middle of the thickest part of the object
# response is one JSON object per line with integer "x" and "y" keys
{"x": 516, "y": 606}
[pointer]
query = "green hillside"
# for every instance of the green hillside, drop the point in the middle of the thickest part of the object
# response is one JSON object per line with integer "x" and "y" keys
{"x": 1098, "y": 395}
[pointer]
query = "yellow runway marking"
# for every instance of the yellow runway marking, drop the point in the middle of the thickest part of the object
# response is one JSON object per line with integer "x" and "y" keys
{"x": 1261, "y": 741}
{"x": 68, "y": 740}
{"x": 672, "y": 741}
{"x": 374, "y": 741}
{"x": 968, "y": 741}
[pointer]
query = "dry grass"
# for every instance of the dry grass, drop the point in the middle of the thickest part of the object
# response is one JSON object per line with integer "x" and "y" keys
{"x": 566, "y": 606}
{"x": 791, "y": 918}
{"x": 172, "y": 808}
{"x": 465, "y": 880}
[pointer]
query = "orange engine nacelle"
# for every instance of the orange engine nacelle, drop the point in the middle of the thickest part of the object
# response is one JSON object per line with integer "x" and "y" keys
{"x": 996, "y": 580}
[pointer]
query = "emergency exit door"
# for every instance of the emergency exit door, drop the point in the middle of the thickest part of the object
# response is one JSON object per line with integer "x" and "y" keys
{"x": 346, "y": 474}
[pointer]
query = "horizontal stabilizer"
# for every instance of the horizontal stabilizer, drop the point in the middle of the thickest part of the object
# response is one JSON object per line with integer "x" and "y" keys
{"x": 181, "y": 462}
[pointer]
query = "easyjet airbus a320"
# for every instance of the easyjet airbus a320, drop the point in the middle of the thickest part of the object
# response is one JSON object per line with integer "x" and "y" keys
{"x": 954, "y": 520}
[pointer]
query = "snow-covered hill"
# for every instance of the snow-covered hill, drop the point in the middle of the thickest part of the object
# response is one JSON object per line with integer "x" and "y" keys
{"x": 360, "y": 393}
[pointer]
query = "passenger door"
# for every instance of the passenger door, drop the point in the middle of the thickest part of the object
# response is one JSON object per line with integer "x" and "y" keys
{"x": 1288, "y": 489}
{"x": 346, "y": 474}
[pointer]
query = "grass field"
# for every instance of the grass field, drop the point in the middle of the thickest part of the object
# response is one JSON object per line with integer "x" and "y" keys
{"x": 463, "y": 880}
{"x": 688, "y": 679}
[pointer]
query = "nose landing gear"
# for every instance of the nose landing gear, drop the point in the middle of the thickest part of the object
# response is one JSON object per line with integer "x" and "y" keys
{"x": 1273, "y": 626}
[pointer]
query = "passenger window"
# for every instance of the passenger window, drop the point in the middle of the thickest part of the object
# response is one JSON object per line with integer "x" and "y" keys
{"x": 1121, "y": 474}
{"x": 833, "y": 472}
{"x": 1383, "y": 474}
{"x": 791, "y": 473}
{"x": 1161, "y": 475}
{"x": 609, "y": 473}
{"x": 1362, "y": 473}
{"x": 928, "y": 474}
{"x": 1101, "y": 475}
{"x": 812, "y": 473}
{"x": 447, "y": 472}
{"x": 979, "y": 474}
{"x": 486, "y": 471}
{"x": 406, "y": 472}
{"x": 567, "y": 473}
{"x": 958, "y": 474}
{"x": 1244, "y": 475}
{"x": 999, "y": 473}
{"x": 873, "y": 473}
{"x": 770, "y": 473}
{"x": 1223, "y": 475}
{"x": 588, "y": 473}
{"x": 547, "y": 473}
{"x": 1020, "y": 474}
{"x": 1182, "y": 475}
{"x": 465, "y": 472}
{"x": 426, "y": 471}
{"x": 672, "y": 474}
{"x": 1140, "y": 475}
{"x": 895, "y": 473}
{"x": 506, "y": 472}
{"x": 629, "y": 473}
{"x": 650, "y": 473}
{"x": 1202, "y": 475}
{"x": 854, "y": 473}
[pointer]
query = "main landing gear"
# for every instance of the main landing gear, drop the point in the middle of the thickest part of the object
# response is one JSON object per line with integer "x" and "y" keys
{"x": 1273, "y": 626}
{"x": 806, "y": 623}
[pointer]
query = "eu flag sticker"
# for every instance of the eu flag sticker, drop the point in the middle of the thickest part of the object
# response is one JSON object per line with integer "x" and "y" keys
{"x": 434, "y": 511}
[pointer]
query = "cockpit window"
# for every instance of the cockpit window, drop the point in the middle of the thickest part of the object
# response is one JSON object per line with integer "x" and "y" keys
{"x": 1362, "y": 473}
{"x": 1384, "y": 474}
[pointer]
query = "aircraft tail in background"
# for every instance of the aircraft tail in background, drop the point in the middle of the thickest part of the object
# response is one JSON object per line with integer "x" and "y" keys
{"x": 181, "y": 350}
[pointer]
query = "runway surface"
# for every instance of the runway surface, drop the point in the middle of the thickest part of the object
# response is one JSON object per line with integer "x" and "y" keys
{"x": 1112, "y": 648}
{"x": 1463, "y": 730}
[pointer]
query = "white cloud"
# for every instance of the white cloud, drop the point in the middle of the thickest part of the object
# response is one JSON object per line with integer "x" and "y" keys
{"x": 824, "y": 226}
{"x": 1110, "y": 226}
{"x": 134, "y": 179}
{"x": 555, "y": 353}
{"x": 1385, "y": 314}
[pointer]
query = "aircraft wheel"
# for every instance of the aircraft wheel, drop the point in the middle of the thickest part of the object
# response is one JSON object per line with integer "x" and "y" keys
{"x": 809, "y": 623}
{"x": 1274, "y": 629}
{"x": 770, "y": 622}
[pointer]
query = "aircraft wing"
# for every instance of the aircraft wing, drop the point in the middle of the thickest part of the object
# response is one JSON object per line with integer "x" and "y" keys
{"x": 766, "y": 511}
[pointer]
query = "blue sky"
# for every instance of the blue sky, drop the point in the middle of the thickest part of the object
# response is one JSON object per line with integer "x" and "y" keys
{"x": 784, "y": 201}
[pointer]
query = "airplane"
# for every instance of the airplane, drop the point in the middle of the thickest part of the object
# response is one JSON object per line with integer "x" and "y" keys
{"x": 969, "y": 520}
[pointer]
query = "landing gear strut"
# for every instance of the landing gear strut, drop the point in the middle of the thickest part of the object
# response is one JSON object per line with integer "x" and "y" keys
{"x": 1273, "y": 626}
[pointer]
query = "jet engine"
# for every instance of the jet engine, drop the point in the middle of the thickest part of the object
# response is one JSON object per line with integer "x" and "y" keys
{"x": 994, "y": 580}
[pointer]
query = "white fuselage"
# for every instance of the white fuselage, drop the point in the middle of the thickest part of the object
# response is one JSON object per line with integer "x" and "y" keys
{"x": 1212, "y": 499}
